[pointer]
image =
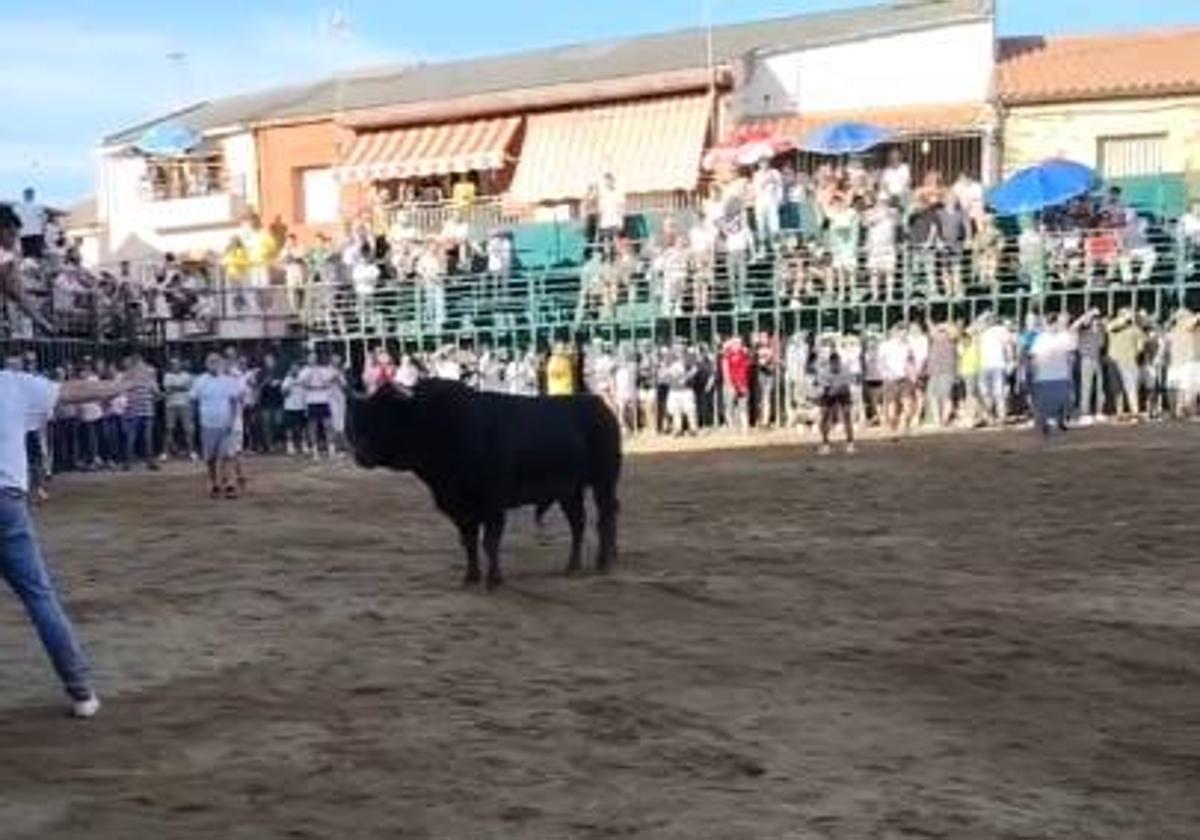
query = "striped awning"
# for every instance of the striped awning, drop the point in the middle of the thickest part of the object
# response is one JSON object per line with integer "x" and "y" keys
{"x": 905, "y": 122}
{"x": 651, "y": 146}
{"x": 429, "y": 150}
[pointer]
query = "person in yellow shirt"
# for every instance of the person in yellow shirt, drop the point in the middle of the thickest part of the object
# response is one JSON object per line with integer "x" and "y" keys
{"x": 235, "y": 263}
{"x": 970, "y": 369}
{"x": 462, "y": 195}
{"x": 560, "y": 372}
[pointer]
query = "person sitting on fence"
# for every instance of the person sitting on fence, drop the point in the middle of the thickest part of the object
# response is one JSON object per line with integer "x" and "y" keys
{"x": 1136, "y": 249}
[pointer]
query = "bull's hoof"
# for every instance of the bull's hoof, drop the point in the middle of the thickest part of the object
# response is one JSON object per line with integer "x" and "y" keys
{"x": 493, "y": 582}
{"x": 472, "y": 578}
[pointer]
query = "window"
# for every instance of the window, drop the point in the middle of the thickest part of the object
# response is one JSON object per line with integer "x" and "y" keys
{"x": 319, "y": 197}
{"x": 1131, "y": 155}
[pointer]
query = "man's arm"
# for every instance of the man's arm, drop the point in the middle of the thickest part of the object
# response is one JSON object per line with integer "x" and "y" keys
{"x": 81, "y": 391}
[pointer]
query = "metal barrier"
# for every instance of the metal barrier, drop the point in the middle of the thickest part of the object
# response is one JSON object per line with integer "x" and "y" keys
{"x": 792, "y": 287}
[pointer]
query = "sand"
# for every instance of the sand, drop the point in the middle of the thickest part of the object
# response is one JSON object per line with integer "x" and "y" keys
{"x": 976, "y": 636}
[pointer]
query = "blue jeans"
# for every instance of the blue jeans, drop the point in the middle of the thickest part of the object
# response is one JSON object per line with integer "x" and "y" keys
{"x": 22, "y": 567}
{"x": 137, "y": 431}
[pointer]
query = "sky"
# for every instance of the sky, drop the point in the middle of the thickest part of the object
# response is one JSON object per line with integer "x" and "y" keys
{"x": 72, "y": 71}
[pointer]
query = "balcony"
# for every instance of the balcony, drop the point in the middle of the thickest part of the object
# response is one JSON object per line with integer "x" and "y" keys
{"x": 214, "y": 210}
{"x": 191, "y": 196}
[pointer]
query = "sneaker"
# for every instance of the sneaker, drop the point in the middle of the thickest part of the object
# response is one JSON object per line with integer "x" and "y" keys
{"x": 85, "y": 709}
{"x": 824, "y": 450}
{"x": 850, "y": 450}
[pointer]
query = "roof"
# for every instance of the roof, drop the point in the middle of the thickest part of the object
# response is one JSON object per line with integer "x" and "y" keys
{"x": 578, "y": 63}
{"x": 1044, "y": 70}
{"x": 82, "y": 214}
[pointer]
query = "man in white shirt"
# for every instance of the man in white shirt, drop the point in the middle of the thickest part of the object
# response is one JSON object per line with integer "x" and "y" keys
{"x": 218, "y": 397}
{"x": 768, "y": 196}
{"x": 611, "y": 206}
{"x": 318, "y": 379}
{"x": 34, "y": 220}
{"x": 177, "y": 386}
{"x": 24, "y": 395}
{"x": 895, "y": 369}
{"x": 1052, "y": 365}
{"x": 897, "y": 178}
{"x": 995, "y": 357}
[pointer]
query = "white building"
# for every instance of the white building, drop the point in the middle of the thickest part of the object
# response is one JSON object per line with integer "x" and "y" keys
{"x": 927, "y": 77}
{"x": 149, "y": 205}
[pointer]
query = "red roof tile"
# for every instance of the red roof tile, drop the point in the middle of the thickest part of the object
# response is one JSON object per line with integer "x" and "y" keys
{"x": 1035, "y": 69}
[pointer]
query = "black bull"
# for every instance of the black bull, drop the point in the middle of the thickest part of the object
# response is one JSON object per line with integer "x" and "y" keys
{"x": 481, "y": 454}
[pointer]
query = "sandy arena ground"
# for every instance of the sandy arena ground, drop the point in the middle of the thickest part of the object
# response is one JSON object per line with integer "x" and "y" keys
{"x": 965, "y": 637}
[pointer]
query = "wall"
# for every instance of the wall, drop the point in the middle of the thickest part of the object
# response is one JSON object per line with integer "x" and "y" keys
{"x": 1071, "y": 130}
{"x": 283, "y": 153}
{"x": 945, "y": 65}
{"x": 1033, "y": 133}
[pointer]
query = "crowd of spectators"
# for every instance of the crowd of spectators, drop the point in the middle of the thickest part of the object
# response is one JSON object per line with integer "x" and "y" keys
{"x": 764, "y": 236}
{"x": 1052, "y": 370}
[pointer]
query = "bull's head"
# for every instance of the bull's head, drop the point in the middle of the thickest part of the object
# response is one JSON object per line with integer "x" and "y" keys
{"x": 382, "y": 428}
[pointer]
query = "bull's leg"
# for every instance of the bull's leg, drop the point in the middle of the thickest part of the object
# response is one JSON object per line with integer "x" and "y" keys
{"x": 573, "y": 508}
{"x": 468, "y": 532}
{"x": 606, "y": 524}
{"x": 493, "y": 530}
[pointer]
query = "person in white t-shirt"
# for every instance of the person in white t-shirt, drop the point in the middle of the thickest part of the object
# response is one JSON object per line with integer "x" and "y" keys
{"x": 317, "y": 379}
{"x": 895, "y": 369}
{"x": 897, "y": 178}
{"x": 295, "y": 413}
{"x": 768, "y": 197}
{"x": 1052, "y": 362}
{"x": 34, "y": 221}
{"x": 995, "y": 358}
{"x": 611, "y": 207}
{"x": 22, "y": 396}
{"x": 218, "y": 397}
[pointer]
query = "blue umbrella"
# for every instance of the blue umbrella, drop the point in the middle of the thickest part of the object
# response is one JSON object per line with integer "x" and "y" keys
{"x": 844, "y": 138}
{"x": 168, "y": 139}
{"x": 1046, "y": 184}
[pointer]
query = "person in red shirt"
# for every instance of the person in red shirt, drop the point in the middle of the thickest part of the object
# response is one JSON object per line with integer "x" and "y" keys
{"x": 735, "y": 376}
{"x": 379, "y": 370}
